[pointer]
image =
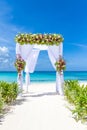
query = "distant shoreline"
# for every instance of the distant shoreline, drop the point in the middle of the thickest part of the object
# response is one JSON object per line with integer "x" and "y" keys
{"x": 51, "y": 71}
{"x": 44, "y": 76}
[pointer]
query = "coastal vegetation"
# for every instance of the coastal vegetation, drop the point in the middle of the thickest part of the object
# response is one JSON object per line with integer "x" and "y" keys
{"x": 77, "y": 96}
{"x": 8, "y": 93}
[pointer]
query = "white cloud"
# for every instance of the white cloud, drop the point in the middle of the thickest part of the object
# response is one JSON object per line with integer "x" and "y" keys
{"x": 6, "y": 61}
{"x": 84, "y": 45}
{"x": 4, "y": 40}
{"x": 81, "y": 45}
{"x": 7, "y": 29}
{"x": 4, "y": 50}
{"x": 7, "y": 35}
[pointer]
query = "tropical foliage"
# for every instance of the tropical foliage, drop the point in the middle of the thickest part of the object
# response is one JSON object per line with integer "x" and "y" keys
{"x": 60, "y": 65}
{"x": 77, "y": 95}
{"x": 8, "y": 93}
{"x": 40, "y": 39}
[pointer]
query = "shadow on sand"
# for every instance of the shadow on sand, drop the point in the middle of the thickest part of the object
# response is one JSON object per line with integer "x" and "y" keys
{"x": 41, "y": 94}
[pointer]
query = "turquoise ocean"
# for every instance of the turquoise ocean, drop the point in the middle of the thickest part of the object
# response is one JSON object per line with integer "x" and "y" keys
{"x": 43, "y": 76}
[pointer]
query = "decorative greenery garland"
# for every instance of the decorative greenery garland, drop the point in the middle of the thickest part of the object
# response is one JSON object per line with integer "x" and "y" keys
{"x": 40, "y": 39}
{"x": 60, "y": 65}
{"x": 20, "y": 64}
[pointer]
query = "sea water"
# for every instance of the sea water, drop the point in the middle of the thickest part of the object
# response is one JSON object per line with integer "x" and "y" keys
{"x": 45, "y": 76}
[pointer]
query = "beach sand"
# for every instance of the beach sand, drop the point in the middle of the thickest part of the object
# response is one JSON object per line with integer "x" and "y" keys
{"x": 40, "y": 109}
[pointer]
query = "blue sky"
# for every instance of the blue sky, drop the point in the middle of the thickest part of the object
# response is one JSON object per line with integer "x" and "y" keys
{"x": 67, "y": 17}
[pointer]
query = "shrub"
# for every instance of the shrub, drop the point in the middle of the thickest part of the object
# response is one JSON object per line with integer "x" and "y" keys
{"x": 1, "y": 102}
{"x": 77, "y": 95}
{"x": 71, "y": 90}
{"x": 9, "y": 91}
{"x": 80, "y": 110}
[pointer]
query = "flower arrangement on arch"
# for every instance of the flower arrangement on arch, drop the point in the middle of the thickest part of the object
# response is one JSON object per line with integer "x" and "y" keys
{"x": 20, "y": 64}
{"x": 60, "y": 65}
{"x": 40, "y": 39}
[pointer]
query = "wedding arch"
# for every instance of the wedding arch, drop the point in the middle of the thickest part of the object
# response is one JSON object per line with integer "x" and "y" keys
{"x": 28, "y": 47}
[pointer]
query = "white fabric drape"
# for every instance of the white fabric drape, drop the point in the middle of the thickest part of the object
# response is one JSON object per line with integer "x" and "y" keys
{"x": 54, "y": 52}
{"x": 18, "y": 48}
{"x": 26, "y": 50}
{"x": 59, "y": 84}
{"x": 61, "y": 49}
{"x": 20, "y": 81}
{"x": 61, "y": 75}
{"x": 31, "y": 61}
{"x": 30, "y": 65}
{"x": 30, "y": 55}
{"x": 27, "y": 80}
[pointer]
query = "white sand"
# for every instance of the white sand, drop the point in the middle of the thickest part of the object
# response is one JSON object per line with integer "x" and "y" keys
{"x": 83, "y": 83}
{"x": 40, "y": 109}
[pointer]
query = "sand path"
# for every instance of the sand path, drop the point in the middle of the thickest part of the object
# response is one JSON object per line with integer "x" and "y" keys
{"x": 40, "y": 109}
